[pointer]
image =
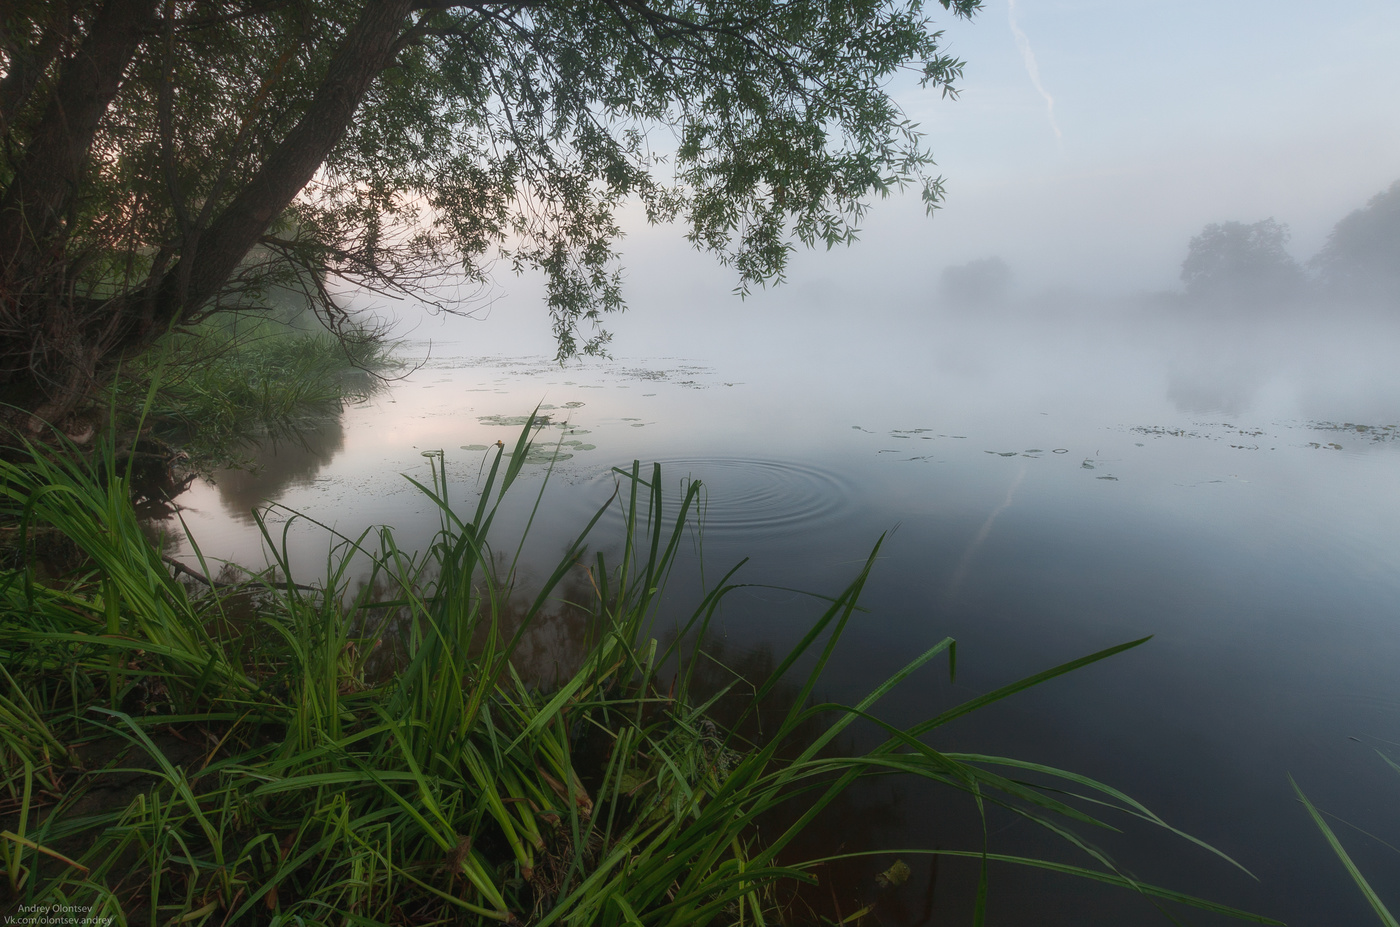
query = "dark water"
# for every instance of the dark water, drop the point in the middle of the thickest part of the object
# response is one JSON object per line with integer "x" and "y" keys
{"x": 1047, "y": 488}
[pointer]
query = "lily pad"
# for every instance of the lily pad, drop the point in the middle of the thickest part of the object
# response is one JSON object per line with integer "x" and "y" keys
{"x": 515, "y": 420}
{"x": 537, "y": 454}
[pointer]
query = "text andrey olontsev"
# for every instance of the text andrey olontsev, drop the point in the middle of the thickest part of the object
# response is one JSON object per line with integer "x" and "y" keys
{"x": 66, "y": 914}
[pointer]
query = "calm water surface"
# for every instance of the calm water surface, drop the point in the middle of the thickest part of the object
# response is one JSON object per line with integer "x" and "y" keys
{"x": 1048, "y": 486}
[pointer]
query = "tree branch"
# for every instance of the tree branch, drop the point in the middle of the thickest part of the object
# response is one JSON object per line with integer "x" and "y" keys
{"x": 33, "y": 206}
{"x": 366, "y": 51}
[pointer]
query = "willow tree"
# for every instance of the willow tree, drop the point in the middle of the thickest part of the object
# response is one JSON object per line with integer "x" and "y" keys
{"x": 162, "y": 160}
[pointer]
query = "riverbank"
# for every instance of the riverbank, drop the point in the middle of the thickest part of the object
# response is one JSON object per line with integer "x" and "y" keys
{"x": 213, "y": 389}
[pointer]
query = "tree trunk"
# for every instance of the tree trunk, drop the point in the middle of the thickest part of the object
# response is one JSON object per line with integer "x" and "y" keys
{"x": 28, "y": 64}
{"x": 64, "y": 345}
{"x": 368, "y": 48}
{"x": 48, "y": 174}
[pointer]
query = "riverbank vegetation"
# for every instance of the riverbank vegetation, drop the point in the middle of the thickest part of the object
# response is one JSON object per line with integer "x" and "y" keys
{"x": 158, "y": 164}
{"x": 216, "y": 750}
{"x": 234, "y": 380}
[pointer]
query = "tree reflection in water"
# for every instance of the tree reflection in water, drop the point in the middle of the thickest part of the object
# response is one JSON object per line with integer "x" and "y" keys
{"x": 280, "y": 465}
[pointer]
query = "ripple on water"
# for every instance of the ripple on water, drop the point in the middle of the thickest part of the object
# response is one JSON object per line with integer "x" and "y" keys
{"x": 757, "y": 497}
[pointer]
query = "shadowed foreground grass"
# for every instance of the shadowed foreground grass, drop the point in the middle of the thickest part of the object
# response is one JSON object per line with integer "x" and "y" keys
{"x": 176, "y": 754}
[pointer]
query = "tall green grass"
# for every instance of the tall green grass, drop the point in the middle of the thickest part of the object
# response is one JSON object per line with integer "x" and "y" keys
{"x": 366, "y": 752}
{"x": 227, "y": 382}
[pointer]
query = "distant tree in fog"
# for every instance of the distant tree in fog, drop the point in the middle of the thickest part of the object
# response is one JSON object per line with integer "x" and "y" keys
{"x": 1362, "y": 256}
{"x": 1238, "y": 263}
{"x": 978, "y": 283}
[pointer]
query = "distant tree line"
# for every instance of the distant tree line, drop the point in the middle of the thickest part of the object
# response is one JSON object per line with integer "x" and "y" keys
{"x": 982, "y": 282}
{"x": 1237, "y": 265}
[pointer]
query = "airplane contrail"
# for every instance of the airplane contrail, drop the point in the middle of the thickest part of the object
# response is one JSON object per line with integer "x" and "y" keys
{"x": 1028, "y": 57}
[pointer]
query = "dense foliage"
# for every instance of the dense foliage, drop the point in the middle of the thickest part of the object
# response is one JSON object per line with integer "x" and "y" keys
{"x": 162, "y": 159}
{"x": 1231, "y": 260}
{"x": 1362, "y": 256}
{"x": 1243, "y": 267}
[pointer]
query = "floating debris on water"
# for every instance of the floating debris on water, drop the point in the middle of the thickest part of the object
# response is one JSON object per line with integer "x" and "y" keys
{"x": 1376, "y": 433}
{"x": 1160, "y": 431}
{"x": 643, "y": 373}
{"x": 896, "y": 875}
{"x": 1157, "y": 431}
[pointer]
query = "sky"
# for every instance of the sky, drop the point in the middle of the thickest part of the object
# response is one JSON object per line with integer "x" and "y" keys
{"x": 1166, "y": 116}
{"x": 1091, "y": 140}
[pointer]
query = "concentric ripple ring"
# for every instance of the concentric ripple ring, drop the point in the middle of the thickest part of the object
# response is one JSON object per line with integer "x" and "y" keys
{"x": 757, "y": 496}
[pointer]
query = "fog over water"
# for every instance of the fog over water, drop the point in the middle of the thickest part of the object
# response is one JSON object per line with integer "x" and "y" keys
{"x": 1057, "y": 479}
{"x": 1072, "y": 445}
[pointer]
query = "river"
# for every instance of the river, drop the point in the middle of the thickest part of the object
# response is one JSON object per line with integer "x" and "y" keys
{"x": 1049, "y": 482}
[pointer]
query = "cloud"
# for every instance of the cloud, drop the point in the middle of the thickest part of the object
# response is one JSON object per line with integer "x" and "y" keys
{"x": 1028, "y": 57}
